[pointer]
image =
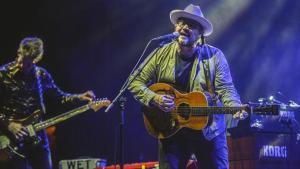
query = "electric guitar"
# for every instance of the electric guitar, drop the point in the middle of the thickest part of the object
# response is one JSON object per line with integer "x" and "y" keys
{"x": 10, "y": 146}
{"x": 192, "y": 110}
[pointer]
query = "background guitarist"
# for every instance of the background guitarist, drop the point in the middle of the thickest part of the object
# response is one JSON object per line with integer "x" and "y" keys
{"x": 22, "y": 86}
{"x": 190, "y": 65}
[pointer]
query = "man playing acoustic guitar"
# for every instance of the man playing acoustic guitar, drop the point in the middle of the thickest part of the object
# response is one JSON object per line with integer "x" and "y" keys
{"x": 22, "y": 86}
{"x": 188, "y": 65}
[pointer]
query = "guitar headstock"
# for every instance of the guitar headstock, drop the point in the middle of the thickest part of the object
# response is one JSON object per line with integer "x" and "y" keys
{"x": 271, "y": 109}
{"x": 99, "y": 103}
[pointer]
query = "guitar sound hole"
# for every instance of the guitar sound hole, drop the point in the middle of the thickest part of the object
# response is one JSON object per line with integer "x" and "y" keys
{"x": 184, "y": 111}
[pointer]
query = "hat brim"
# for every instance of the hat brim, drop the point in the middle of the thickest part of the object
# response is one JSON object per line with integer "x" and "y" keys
{"x": 206, "y": 24}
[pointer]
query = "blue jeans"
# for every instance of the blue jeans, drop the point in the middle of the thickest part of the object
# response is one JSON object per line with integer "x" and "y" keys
{"x": 174, "y": 152}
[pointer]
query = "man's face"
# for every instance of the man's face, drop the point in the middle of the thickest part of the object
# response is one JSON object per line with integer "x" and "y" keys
{"x": 27, "y": 62}
{"x": 189, "y": 31}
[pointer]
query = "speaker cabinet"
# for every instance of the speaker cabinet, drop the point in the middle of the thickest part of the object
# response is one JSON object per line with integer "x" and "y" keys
{"x": 264, "y": 151}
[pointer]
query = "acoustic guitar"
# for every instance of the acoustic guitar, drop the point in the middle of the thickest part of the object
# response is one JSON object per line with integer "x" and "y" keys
{"x": 192, "y": 110}
{"x": 10, "y": 146}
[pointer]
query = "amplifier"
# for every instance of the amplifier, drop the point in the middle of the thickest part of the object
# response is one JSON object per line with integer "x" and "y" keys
{"x": 89, "y": 163}
{"x": 264, "y": 151}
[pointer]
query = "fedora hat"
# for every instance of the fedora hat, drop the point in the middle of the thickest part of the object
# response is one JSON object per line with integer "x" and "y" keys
{"x": 192, "y": 12}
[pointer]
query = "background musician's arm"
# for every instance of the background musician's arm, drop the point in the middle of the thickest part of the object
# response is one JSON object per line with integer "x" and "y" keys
{"x": 3, "y": 119}
{"x": 64, "y": 97}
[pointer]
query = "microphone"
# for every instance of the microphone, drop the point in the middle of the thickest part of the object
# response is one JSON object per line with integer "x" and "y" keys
{"x": 167, "y": 37}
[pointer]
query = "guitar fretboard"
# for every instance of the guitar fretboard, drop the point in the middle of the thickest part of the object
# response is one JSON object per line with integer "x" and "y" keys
{"x": 60, "y": 118}
{"x": 204, "y": 111}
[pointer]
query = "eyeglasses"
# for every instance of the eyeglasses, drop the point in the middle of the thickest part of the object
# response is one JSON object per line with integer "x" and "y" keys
{"x": 181, "y": 22}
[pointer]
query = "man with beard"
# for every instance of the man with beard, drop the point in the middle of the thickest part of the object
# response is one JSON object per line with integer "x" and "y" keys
{"x": 189, "y": 65}
{"x": 22, "y": 88}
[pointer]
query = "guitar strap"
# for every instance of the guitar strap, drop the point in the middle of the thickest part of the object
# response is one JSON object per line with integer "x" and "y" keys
{"x": 207, "y": 74}
{"x": 208, "y": 80}
{"x": 40, "y": 89}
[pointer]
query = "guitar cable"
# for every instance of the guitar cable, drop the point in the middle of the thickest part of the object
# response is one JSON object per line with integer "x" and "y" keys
{"x": 15, "y": 152}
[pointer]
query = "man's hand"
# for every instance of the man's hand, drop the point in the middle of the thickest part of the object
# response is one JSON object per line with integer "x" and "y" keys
{"x": 240, "y": 115}
{"x": 87, "y": 96}
{"x": 164, "y": 102}
{"x": 17, "y": 130}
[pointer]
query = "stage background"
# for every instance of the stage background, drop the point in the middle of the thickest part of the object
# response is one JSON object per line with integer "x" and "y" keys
{"x": 93, "y": 44}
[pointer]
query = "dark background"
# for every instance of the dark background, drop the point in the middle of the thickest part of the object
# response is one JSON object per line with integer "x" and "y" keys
{"x": 93, "y": 44}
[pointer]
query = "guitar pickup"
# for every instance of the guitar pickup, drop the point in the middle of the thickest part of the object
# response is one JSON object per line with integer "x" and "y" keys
{"x": 4, "y": 142}
{"x": 31, "y": 130}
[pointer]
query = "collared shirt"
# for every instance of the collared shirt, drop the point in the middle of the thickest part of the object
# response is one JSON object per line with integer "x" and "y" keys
{"x": 161, "y": 68}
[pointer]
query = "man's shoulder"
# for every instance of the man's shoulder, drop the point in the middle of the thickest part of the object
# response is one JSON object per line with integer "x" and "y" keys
{"x": 212, "y": 49}
{"x": 2, "y": 68}
{"x": 6, "y": 67}
{"x": 169, "y": 45}
{"x": 43, "y": 72}
{"x": 166, "y": 49}
{"x": 209, "y": 51}
{"x": 2, "y": 71}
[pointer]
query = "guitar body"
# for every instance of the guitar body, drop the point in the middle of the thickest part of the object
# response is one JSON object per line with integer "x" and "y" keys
{"x": 162, "y": 124}
{"x": 192, "y": 110}
{"x": 10, "y": 146}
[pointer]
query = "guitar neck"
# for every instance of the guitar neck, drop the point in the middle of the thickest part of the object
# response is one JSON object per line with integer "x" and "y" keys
{"x": 60, "y": 118}
{"x": 204, "y": 111}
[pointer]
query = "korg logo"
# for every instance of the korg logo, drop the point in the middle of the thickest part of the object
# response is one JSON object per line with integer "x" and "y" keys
{"x": 274, "y": 151}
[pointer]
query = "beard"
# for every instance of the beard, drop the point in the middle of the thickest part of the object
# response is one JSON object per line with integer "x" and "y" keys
{"x": 185, "y": 41}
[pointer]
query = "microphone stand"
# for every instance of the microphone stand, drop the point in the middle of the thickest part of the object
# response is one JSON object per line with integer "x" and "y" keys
{"x": 121, "y": 100}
